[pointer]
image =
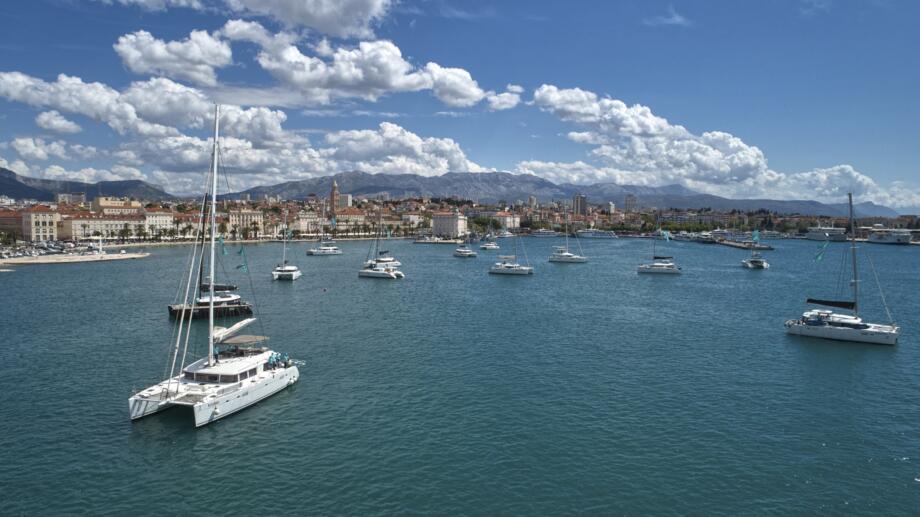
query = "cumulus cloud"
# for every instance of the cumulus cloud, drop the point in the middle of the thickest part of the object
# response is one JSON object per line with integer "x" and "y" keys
{"x": 341, "y": 18}
{"x": 54, "y": 121}
{"x": 38, "y": 149}
{"x": 632, "y": 145}
{"x": 158, "y": 5}
{"x": 90, "y": 174}
{"x": 70, "y": 94}
{"x": 507, "y": 100}
{"x": 193, "y": 59}
{"x": 366, "y": 71}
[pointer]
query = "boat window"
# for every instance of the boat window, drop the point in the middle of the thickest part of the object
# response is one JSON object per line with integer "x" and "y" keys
{"x": 252, "y": 372}
{"x": 208, "y": 378}
{"x": 228, "y": 378}
{"x": 190, "y": 376}
{"x": 244, "y": 375}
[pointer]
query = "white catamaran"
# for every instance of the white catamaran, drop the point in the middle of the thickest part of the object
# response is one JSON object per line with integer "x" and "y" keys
{"x": 562, "y": 254}
{"x": 285, "y": 271}
{"x": 238, "y": 370}
{"x": 827, "y": 324}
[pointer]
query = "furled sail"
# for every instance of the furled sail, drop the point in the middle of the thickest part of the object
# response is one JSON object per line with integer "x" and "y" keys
{"x": 221, "y": 333}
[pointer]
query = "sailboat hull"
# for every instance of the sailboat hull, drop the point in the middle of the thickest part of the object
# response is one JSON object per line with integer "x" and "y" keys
{"x": 201, "y": 310}
{"x": 237, "y": 400}
{"x": 874, "y": 334}
{"x": 286, "y": 275}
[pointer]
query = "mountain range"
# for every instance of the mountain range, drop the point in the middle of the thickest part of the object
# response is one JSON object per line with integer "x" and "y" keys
{"x": 23, "y": 187}
{"x": 487, "y": 187}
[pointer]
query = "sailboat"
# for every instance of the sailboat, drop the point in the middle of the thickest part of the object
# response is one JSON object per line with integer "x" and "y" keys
{"x": 755, "y": 261}
{"x": 508, "y": 264}
{"x": 285, "y": 271}
{"x": 661, "y": 264}
{"x": 827, "y": 324}
{"x": 238, "y": 371}
{"x": 562, "y": 253}
{"x": 379, "y": 263}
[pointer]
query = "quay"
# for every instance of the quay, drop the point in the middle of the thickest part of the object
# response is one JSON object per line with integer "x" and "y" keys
{"x": 745, "y": 245}
{"x": 70, "y": 258}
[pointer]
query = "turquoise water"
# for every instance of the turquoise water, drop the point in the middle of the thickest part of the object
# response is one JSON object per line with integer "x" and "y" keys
{"x": 585, "y": 388}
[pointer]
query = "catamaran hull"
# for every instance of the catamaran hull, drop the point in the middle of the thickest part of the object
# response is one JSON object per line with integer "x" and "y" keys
{"x": 754, "y": 265}
{"x": 318, "y": 253}
{"x": 569, "y": 260}
{"x": 287, "y": 275}
{"x": 201, "y": 311}
{"x": 842, "y": 333}
{"x": 511, "y": 271}
{"x": 237, "y": 400}
{"x": 389, "y": 275}
{"x": 657, "y": 271}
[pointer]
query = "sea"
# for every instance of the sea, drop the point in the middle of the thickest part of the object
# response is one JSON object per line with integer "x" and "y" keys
{"x": 582, "y": 389}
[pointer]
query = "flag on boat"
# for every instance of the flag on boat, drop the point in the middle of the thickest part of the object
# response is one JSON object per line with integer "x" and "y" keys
{"x": 821, "y": 249}
{"x": 243, "y": 267}
{"x": 667, "y": 235}
{"x": 332, "y": 221}
{"x": 755, "y": 236}
{"x": 223, "y": 249}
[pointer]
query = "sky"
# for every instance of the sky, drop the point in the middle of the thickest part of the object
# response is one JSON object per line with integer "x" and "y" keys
{"x": 787, "y": 99}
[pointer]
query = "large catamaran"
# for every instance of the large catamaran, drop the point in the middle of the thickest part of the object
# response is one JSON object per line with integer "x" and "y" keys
{"x": 239, "y": 370}
{"x": 823, "y": 323}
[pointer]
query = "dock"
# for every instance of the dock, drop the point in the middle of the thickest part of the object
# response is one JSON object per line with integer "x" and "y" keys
{"x": 745, "y": 245}
{"x": 71, "y": 258}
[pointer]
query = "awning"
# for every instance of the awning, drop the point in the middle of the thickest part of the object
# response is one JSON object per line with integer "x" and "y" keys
{"x": 841, "y": 304}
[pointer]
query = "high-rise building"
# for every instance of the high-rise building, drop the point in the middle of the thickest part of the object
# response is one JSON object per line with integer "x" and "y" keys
{"x": 611, "y": 207}
{"x": 580, "y": 204}
{"x": 632, "y": 204}
{"x": 532, "y": 202}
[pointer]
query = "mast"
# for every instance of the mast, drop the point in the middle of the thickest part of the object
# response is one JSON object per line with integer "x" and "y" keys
{"x": 566, "y": 230}
{"x": 853, "y": 257}
{"x": 284, "y": 241}
{"x": 213, "y": 237}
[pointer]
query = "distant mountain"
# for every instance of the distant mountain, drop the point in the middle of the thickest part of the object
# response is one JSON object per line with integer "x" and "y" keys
{"x": 494, "y": 186}
{"x": 487, "y": 187}
{"x": 24, "y": 187}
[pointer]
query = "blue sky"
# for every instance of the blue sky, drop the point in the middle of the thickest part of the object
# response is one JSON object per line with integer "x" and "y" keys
{"x": 787, "y": 99}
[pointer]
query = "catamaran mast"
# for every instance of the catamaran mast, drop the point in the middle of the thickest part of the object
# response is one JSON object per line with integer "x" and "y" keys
{"x": 213, "y": 238}
{"x": 853, "y": 257}
{"x": 284, "y": 241}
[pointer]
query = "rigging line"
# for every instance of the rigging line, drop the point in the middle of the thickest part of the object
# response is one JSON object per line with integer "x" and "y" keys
{"x": 203, "y": 213}
{"x": 169, "y": 367}
{"x": 880, "y": 291}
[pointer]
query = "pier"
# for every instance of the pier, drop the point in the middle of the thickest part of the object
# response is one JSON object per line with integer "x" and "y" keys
{"x": 70, "y": 258}
{"x": 745, "y": 245}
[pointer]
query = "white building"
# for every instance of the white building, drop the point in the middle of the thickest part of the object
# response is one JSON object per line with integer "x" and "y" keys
{"x": 40, "y": 223}
{"x": 448, "y": 224}
{"x": 158, "y": 221}
{"x": 246, "y": 221}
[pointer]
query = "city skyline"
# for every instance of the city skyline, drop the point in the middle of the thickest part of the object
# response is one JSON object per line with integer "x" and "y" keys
{"x": 122, "y": 90}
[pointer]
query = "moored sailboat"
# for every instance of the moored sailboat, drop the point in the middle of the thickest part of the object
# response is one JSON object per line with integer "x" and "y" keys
{"x": 238, "y": 370}
{"x": 827, "y": 324}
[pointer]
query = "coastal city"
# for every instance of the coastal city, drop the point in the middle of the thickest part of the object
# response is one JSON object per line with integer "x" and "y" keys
{"x": 30, "y": 228}
{"x": 459, "y": 257}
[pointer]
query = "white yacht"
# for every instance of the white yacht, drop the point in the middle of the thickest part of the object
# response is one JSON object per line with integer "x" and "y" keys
{"x": 594, "y": 233}
{"x": 504, "y": 234}
{"x": 508, "y": 265}
{"x": 661, "y": 264}
{"x": 285, "y": 271}
{"x": 878, "y": 234}
{"x": 826, "y": 324}
{"x": 489, "y": 245}
{"x": 238, "y": 370}
{"x": 464, "y": 251}
{"x": 325, "y": 248}
{"x": 755, "y": 261}
{"x": 826, "y": 233}
{"x": 543, "y": 232}
{"x": 562, "y": 253}
{"x": 379, "y": 263}
{"x": 371, "y": 270}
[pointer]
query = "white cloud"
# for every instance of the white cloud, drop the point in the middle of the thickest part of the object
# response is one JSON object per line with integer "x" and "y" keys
{"x": 672, "y": 18}
{"x": 54, "y": 121}
{"x": 507, "y": 100}
{"x": 70, "y": 94}
{"x": 38, "y": 149}
{"x": 193, "y": 59}
{"x": 366, "y": 71}
{"x": 340, "y": 18}
{"x": 158, "y": 5}
{"x": 90, "y": 174}
{"x": 632, "y": 145}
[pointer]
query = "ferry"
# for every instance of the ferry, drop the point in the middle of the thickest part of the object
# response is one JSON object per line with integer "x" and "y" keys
{"x": 878, "y": 234}
{"x": 543, "y": 232}
{"x": 594, "y": 233}
{"x": 826, "y": 233}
